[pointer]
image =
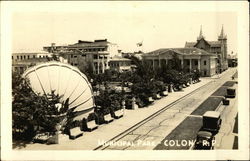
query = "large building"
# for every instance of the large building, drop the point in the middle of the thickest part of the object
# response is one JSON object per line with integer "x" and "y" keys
{"x": 120, "y": 64}
{"x": 218, "y": 48}
{"x": 190, "y": 59}
{"x": 97, "y": 53}
{"x": 208, "y": 57}
{"x": 21, "y": 60}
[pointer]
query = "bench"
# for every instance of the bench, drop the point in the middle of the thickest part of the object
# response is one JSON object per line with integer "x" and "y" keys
{"x": 165, "y": 93}
{"x": 118, "y": 113}
{"x": 150, "y": 99}
{"x": 75, "y": 133}
{"x": 158, "y": 96}
{"x": 108, "y": 118}
{"x": 88, "y": 125}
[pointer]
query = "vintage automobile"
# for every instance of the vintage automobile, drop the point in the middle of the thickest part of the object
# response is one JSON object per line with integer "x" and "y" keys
{"x": 231, "y": 92}
{"x": 204, "y": 141}
{"x": 211, "y": 122}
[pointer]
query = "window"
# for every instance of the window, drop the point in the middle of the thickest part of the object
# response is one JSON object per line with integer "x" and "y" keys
{"x": 71, "y": 55}
{"x": 24, "y": 57}
{"x": 21, "y": 57}
{"x": 75, "y": 56}
{"x": 205, "y": 63}
{"x": 11, "y": 57}
{"x": 28, "y": 56}
{"x": 34, "y": 56}
{"x": 17, "y": 57}
{"x": 95, "y": 56}
{"x": 196, "y": 62}
{"x": 83, "y": 55}
{"x": 188, "y": 62}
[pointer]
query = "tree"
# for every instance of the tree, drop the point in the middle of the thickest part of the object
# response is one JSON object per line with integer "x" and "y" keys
{"x": 176, "y": 65}
{"x": 35, "y": 113}
{"x": 87, "y": 69}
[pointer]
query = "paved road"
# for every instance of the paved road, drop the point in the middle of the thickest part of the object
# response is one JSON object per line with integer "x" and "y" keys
{"x": 151, "y": 133}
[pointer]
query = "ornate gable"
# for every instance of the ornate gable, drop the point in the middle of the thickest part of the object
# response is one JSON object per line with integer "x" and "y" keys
{"x": 202, "y": 44}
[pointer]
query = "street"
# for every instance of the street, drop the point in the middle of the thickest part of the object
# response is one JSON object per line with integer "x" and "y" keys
{"x": 155, "y": 130}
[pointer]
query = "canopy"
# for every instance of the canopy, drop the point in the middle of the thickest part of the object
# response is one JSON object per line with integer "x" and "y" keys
{"x": 67, "y": 81}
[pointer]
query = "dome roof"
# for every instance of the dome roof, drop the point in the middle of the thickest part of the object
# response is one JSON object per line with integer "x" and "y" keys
{"x": 67, "y": 81}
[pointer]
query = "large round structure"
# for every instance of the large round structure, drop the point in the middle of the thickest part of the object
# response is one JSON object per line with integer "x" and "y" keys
{"x": 66, "y": 80}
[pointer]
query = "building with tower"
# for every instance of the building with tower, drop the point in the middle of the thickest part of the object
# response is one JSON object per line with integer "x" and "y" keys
{"x": 208, "y": 57}
{"x": 219, "y": 48}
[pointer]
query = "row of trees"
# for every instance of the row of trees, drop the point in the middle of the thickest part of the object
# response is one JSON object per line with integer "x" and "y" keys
{"x": 145, "y": 82}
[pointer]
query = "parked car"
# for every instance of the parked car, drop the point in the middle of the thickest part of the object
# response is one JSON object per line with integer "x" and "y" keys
{"x": 231, "y": 92}
{"x": 204, "y": 141}
{"x": 211, "y": 122}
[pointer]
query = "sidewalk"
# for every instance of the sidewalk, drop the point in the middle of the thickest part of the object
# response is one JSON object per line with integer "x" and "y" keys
{"x": 91, "y": 140}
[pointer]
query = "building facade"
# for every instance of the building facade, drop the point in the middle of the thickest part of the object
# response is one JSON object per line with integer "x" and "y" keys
{"x": 190, "y": 59}
{"x": 120, "y": 64}
{"x": 24, "y": 59}
{"x": 97, "y": 53}
{"x": 219, "y": 48}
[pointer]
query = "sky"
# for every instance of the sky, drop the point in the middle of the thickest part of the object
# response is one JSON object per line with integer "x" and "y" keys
{"x": 155, "y": 26}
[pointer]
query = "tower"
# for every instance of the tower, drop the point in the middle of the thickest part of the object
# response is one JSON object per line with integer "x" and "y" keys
{"x": 201, "y": 35}
{"x": 222, "y": 38}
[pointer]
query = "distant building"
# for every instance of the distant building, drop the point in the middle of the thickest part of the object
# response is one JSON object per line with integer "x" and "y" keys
{"x": 190, "y": 59}
{"x": 232, "y": 60}
{"x": 80, "y": 54}
{"x": 120, "y": 64}
{"x": 219, "y": 48}
{"x": 23, "y": 59}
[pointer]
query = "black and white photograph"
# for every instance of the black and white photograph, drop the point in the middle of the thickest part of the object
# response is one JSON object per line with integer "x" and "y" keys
{"x": 136, "y": 80}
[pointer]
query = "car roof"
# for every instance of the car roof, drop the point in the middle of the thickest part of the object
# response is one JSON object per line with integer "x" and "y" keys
{"x": 204, "y": 134}
{"x": 213, "y": 114}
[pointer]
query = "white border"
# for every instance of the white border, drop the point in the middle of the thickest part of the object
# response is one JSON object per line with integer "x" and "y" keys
{"x": 241, "y": 8}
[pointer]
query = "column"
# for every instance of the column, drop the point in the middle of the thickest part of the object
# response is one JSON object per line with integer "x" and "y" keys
{"x": 153, "y": 63}
{"x": 182, "y": 63}
{"x": 103, "y": 64}
{"x": 199, "y": 64}
{"x": 159, "y": 61}
{"x": 98, "y": 70}
{"x": 190, "y": 65}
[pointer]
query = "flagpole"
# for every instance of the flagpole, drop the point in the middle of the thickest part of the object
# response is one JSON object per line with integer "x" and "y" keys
{"x": 142, "y": 46}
